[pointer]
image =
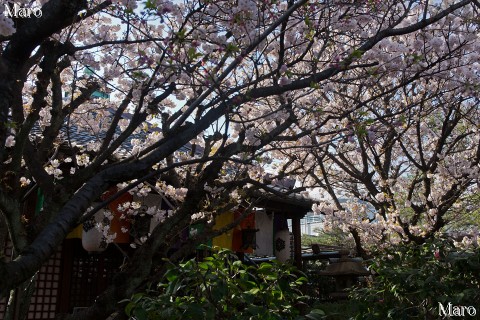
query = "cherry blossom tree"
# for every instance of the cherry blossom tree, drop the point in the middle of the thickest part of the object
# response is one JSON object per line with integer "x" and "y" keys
{"x": 407, "y": 178}
{"x": 329, "y": 92}
{"x": 406, "y": 163}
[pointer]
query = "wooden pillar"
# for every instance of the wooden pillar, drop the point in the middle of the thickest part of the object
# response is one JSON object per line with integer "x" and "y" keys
{"x": 297, "y": 242}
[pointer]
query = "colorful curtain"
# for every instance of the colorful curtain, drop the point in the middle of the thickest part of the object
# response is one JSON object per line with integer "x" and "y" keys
{"x": 223, "y": 240}
{"x": 244, "y": 233}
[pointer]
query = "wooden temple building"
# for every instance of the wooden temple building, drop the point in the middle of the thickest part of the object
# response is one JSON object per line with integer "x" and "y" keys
{"x": 83, "y": 267}
{"x": 75, "y": 275}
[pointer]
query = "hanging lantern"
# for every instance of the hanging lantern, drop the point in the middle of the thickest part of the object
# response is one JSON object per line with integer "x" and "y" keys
{"x": 264, "y": 237}
{"x": 93, "y": 239}
{"x": 282, "y": 245}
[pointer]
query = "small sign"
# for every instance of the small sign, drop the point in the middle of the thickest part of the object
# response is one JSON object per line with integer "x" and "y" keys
{"x": 455, "y": 311}
{"x": 17, "y": 11}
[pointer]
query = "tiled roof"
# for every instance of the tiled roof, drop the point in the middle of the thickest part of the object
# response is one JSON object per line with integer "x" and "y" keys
{"x": 281, "y": 191}
{"x": 284, "y": 195}
{"x": 81, "y": 137}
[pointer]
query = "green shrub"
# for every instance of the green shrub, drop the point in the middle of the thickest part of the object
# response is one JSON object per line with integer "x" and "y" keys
{"x": 411, "y": 280}
{"x": 222, "y": 287}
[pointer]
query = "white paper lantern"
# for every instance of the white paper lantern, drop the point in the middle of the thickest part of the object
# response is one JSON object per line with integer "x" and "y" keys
{"x": 264, "y": 237}
{"x": 92, "y": 238}
{"x": 282, "y": 245}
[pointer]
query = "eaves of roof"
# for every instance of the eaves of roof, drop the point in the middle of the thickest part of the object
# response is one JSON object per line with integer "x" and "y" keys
{"x": 284, "y": 201}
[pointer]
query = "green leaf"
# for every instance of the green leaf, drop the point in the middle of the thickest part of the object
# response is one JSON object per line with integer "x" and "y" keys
{"x": 232, "y": 48}
{"x": 307, "y": 21}
{"x": 254, "y": 310}
{"x": 357, "y": 53}
{"x": 219, "y": 291}
{"x": 204, "y": 265}
{"x": 171, "y": 275}
{"x": 150, "y": 5}
{"x": 140, "y": 314}
{"x": 129, "y": 308}
{"x": 181, "y": 35}
{"x": 315, "y": 314}
{"x": 137, "y": 297}
{"x": 265, "y": 267}
{"x": 254, "y": 290}
{"x": 237, "y": 264}
{"x": 193, "y": 54}
{"x": 314, "y": 85}
{"x": 195, "y": 311}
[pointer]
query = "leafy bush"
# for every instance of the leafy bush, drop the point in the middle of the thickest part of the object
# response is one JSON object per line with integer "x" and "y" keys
{"x": 338, "y": 310}
{"x": 411, "y": 280}
{"x": 222, "y": 287}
